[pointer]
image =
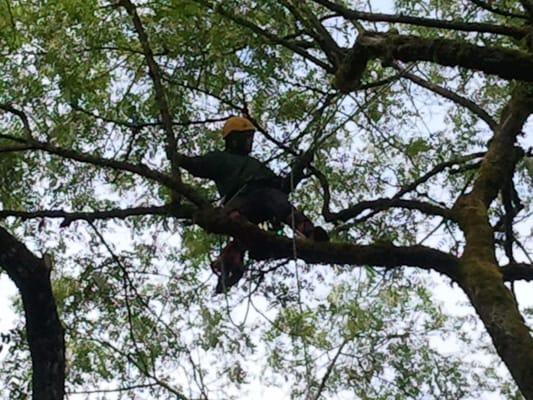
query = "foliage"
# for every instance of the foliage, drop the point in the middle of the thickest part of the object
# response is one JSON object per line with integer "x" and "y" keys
{"x": 136, "y": 295}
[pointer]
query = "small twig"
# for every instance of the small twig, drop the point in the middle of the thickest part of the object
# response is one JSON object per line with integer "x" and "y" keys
{"x": 158, "y": 381}
{"x": 140, "y": 125}
{"x": 120, "y": 389}
{"x": 267, "y": 35}
{"x": 396, "y": 201}
{"x": 126, "y": 283}
{"x": 329, "y": 370}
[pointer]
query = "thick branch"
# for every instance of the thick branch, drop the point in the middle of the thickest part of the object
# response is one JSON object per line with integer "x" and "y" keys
{"x": 503, "y": 62}
{"x": 16, "y": 148}
{"x": 265, "y": 245}
{"x": 480, "y": 27}
{"x": 478, "y": 272}
{"x": 386, "y": 203}
{"x": 502, "y": 156}
{"x": 517, "y": 272}
{"x": 31, "y": 275}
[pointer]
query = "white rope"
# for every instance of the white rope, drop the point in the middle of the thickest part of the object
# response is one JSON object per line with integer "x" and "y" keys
{"x": 299, "y": 290}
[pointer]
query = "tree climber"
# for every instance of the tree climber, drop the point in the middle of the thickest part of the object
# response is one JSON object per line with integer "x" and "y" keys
{"x": 250, "y": 189}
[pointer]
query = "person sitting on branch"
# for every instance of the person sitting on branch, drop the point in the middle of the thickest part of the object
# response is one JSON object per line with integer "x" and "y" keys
{"x": 250, "y": 189}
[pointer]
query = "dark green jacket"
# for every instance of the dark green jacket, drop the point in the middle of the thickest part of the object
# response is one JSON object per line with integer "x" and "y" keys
{"x": 232, "y": 173}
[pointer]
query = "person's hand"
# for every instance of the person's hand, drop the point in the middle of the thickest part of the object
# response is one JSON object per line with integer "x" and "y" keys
{"x": 306, "y": 158}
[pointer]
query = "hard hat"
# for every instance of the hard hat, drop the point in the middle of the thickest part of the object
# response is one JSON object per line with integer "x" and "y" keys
{"x": 237, "y": 124}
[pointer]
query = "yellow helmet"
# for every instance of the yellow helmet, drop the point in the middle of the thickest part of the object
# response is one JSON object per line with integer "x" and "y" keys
{"x": 237, "y": 124}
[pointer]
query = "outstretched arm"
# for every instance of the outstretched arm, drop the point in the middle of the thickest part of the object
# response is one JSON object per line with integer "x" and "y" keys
{"x": 205, "y": 166}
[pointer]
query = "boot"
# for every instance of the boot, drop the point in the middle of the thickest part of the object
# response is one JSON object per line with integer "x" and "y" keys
{"x": 315, "y": 233}
{"x": 229, "y": 266}
{"x": 319, "y": 235}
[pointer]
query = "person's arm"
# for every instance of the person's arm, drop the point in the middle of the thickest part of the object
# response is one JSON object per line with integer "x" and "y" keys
{"x": 206, "y": 166}
{"x": 290, "y": 181}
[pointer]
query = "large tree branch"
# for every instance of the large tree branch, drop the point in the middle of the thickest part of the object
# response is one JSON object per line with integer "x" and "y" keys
{"x": 478, "y": 272}
{"x": 16, "y": 148}
{"x": 502, "y": 156}
{"x": 517, "y": 272}
{"x": 31, "y": 275}
{"x": 503, "y": 62}
{"x": 265, "y": 245}
{"x": 480, "y": 27}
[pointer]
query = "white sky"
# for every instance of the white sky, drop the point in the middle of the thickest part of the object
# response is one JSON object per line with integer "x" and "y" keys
{"x": 452, "y": 298}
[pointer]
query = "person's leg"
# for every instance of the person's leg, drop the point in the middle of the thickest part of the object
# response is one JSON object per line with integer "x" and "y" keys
{"x": 303, "y": 225}
{"x": 274, "y": 205}
{"x": 229, "y": 265}
{"x": 263, "y": 204}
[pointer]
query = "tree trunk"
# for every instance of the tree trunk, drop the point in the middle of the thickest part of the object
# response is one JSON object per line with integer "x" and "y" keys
{"x": 481, "y": 279}
{"x": 45, "y": 333}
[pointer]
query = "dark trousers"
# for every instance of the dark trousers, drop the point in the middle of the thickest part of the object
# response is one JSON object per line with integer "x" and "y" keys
{"x": 257, "y": 205}
{"x": 267, "y": 204}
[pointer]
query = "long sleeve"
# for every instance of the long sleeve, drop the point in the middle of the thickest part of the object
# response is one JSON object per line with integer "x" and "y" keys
{"x": 231, "y": 172}
{"x": 206, "y": 166}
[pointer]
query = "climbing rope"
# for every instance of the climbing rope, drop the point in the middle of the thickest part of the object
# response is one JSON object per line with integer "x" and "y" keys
{"x": 299, "y": 290}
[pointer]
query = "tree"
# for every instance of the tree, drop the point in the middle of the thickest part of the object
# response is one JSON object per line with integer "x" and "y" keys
{"x": 100, "y": 102}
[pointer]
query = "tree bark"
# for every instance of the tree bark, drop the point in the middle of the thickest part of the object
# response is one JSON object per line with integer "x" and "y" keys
{"x": 266, "y": 245}
{"x": 31, "y": 275}
{"x": 503, "y": 62}
{"x": 481, "y": 279}
{"x": 478, "y": 273}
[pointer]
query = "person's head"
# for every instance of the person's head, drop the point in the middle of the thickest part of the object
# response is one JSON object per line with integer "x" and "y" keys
{"x": 238, "y": 134}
